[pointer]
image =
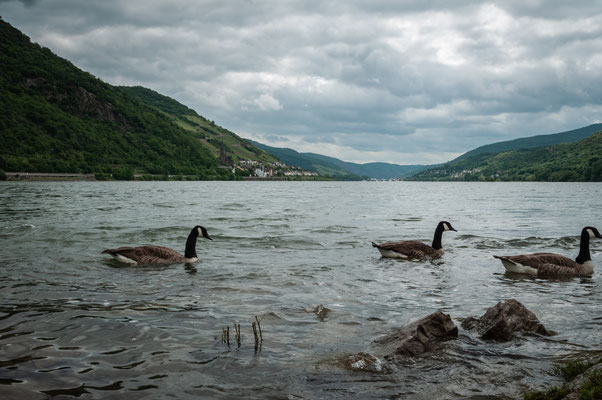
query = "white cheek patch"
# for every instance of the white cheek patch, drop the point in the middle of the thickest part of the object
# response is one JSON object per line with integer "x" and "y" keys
{"x": 591, "y": 233}
{"x": 446, "y": 227}
{"x": 200, "y": 232}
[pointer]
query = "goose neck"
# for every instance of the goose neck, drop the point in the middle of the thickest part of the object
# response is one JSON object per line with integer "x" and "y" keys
{"x": 190, "y": 251}
{"x": 584, "y": 254}
{"x": 437, "y": 238}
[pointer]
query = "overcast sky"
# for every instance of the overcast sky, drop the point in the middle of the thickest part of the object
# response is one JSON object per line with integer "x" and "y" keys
{"x": 407, "y": 82}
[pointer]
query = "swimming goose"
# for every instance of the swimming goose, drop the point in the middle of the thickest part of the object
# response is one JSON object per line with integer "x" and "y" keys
{"x": 160, "y": 254}
{"x": 413, "y": 249}
{"x": 550, "y": 264}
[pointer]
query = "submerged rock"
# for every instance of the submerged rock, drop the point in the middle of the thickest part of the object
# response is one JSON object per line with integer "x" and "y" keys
{"x": 321, "y": 312}
{"x": 419, "y": 336}
{"x": 502, "y": 321}
{"x": 365, "y": 362}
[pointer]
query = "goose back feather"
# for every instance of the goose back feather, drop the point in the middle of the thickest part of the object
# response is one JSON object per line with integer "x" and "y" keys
{"x": 408, "y": 249}
{"x": 148, "y": 255}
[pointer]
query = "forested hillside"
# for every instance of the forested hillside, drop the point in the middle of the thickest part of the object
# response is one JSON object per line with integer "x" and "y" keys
{"x": 532, "y": 142}
{"x": 581, "y": 161}
{"x": 55, "y": 117}
{"x": 211, "y": 135}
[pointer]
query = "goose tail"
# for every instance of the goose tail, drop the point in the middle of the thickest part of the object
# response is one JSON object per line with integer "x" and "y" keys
{"x": 375, "y": 245}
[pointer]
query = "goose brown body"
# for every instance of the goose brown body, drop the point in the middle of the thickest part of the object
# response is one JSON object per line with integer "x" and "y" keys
{"x": 414, "y": 249}
{"x": 160, "y": 254}
{"x": 149, "y": 255}
{"x": 551, "y": 264}
{"x": 545, "y": 264}
{"x": 410, "y": 249}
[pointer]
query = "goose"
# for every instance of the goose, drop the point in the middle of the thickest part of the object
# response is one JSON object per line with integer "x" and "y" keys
{"x": 160, "y": 254}
{"x": 413, "y": 249}
{"x": 550, "y": 264}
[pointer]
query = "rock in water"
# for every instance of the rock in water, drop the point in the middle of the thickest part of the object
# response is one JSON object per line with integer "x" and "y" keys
{"x": 502, "y": 321}
{"x": 419, "y": 336}
{"x": 364, "y": 362}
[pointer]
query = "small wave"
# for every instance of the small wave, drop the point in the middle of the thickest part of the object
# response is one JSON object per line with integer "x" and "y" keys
{"x": 163, "y": 205}
{"x": 334, "y": 229}
{"x": 111, "y": 352}
{"x": 104, "y": 208}
{"x": 19, "y": 360}
{"x": 222, "y": 289}
{"x": 144, "y": 387}
{"x": 109, "y": 228}
{"x": 407, "y": 219}
{"x": 361, "y": 362}
{"x": 8, "y": 381}
{"x": 18, "y": 228}
{"x": 273, "y": 316}
{"x": 129, "y": 366}
{"x": 81, "y": 390}
{"x": 197, "y": 355}
{"x": 278, "y": 242}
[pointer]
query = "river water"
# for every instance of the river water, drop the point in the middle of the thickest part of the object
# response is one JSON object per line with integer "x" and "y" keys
{"x": 73, "y": 322}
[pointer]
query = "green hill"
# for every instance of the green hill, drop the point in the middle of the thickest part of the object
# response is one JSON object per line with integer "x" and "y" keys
{"x": 581, "y": 161}
{"x": 534, "y": 141}
{"x": 55, "y": 117}
{"x": 325, "y": 165}
{"x": 211, "y": 135}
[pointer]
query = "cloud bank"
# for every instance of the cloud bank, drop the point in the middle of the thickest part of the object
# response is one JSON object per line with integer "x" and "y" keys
{"x": 404, "y": 82}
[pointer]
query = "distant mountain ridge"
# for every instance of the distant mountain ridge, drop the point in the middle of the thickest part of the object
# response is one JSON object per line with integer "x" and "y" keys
{"x": 580, "y": 161}
{"x": 326, "y": 165}
{"x": 301, "y": 160}
{"x": 377, "y": 170}
{"x": 333, "y": 166}
{"x": 531, "y": 142}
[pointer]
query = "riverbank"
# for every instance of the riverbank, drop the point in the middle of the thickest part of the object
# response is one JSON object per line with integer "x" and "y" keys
{"x": 70, "y": 176}
{"x": 43, "y": 176}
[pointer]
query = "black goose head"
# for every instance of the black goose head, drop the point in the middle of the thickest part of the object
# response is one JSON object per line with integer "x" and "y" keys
{"x": 446, "y": 226}
{"x": 591, "y": 232}
{"x": 202, "y": 232}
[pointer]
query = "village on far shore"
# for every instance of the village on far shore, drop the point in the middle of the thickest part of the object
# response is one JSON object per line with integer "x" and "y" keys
{"x": 258, "y": 169}
{"x": 274, "y": 169}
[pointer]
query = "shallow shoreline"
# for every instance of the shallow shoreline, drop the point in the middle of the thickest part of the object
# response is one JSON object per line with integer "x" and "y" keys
{"x": 44, "y": 176}
{"x": 75, "y": 177}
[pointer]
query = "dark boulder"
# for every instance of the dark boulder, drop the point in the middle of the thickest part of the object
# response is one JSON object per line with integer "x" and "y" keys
{"x": 419, "y": 336}
{"x": 502, "y": 321}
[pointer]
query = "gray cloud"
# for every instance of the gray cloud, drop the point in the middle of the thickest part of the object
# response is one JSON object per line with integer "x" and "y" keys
{"x": 364, "y": 81}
